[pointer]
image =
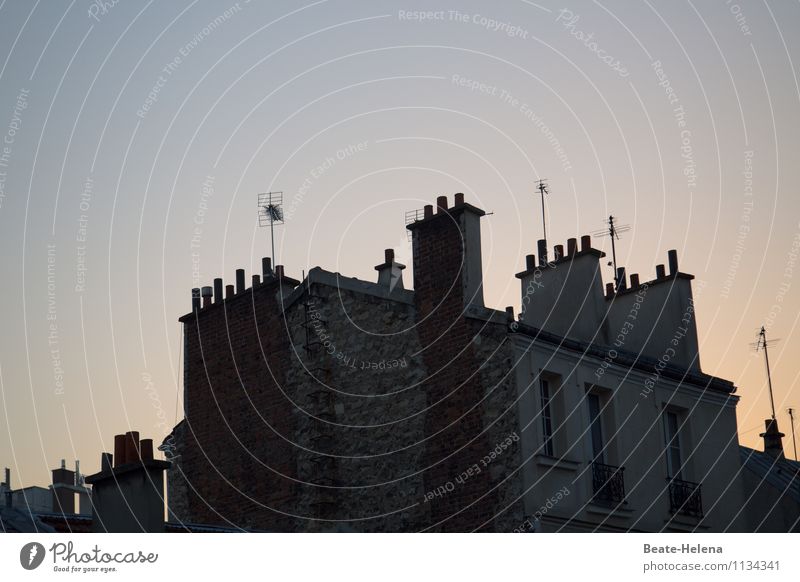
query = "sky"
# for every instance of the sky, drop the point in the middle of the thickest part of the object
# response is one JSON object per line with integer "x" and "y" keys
{"x": 137, "y": 135}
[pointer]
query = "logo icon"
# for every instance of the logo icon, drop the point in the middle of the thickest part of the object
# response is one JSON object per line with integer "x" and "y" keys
{"x": 31, "y": 555}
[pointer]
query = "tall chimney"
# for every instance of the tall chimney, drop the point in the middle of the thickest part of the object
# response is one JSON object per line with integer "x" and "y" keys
{"x": 266, "y": 268}
{"x": 239, "y": 280}
{"x": 195, "y": 299}
{"x": 572, "y": 247}
{"x": 218, "y": 290}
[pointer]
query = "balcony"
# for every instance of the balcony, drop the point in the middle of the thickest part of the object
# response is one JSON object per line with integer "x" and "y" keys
{"x": 608, "y": 483}
{"x": 685, "y": 497}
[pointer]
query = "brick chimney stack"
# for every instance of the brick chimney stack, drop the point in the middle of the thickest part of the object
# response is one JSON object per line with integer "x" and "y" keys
{"x": 447, "y": 255}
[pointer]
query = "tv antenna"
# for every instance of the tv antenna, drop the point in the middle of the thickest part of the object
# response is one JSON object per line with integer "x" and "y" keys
{"x": 612, "y": 231}
{"x": 794, "y": 442}
{"x": 542, "y": 187}
{"x": 270, "y": 213}
{"x": 762, "y": 343}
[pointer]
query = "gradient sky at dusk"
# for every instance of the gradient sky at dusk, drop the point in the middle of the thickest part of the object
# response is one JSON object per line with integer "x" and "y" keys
{"x": 131, "y": 129}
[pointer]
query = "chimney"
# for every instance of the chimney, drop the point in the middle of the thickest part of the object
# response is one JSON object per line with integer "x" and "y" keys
{"x": 622, "y": 280}
{"x": 634, "y": 280}
{"x": 586, "y": 243}
{"x": 7, "y": 484}
{"x": 207, "y": 292}
{"x": 266, "y": 268}
{"x": 558, "y": 252}
{"x": 572, "y": 247}
{"x": 773, "y": 439}
{"x": 229, "y": 291}
{"x": 129, "y": 497}
{"x": 660, "y": 272}
{"x": 256, "y": 280}
{"x": 239, "y": 281}
{"x": 609, "y": 290}
{"x": 63, "y": 489}
{"x": 390, "y": 273}
{"x": 195, "y": 299}
{"x": 530, "y": 262}
{"x": 447, "y": 254}
{"x": 218, "y": 290}
{"x": 673, "y": 262}
{"x": 542, "y": 250}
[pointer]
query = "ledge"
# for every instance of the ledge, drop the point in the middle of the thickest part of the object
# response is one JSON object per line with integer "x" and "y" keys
{"x": 620, "y": 510}
{"x": 557, "y": 463}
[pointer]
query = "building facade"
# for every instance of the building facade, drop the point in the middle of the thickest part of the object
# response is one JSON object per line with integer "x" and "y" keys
{"x": 337, "y": 404}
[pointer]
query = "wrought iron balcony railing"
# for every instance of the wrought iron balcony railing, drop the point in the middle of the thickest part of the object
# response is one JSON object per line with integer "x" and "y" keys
{"x": 685, "y": 497}
{"x": 608, "y": 483}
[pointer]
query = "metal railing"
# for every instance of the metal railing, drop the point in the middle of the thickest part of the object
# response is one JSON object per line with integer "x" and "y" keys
{"x": 608, "y": 483}
{"x": 685, "y": 497}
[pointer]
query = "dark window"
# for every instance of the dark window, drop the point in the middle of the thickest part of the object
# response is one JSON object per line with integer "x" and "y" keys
{"x": 595, "y": 428}
{"x": 673, "y": 444}
{"x": 547, "y": 417}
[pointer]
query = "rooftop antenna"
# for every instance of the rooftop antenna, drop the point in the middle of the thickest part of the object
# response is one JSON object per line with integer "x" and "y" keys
{"x": 542, "y": 187}
{"x": 270, "y": 213}
{"x": 794, "y": 442}
{"x": 762, "y": 344}
{"x": 612, "y": 230}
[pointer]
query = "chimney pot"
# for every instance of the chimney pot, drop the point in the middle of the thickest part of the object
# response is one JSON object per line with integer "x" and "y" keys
{"x": 510, "y": 313}
{"x": 388, "y": 255}
{"x": 146, "y": 448}
{"x": 458, "y": 199}
{"x": 586, "y": 243}
{"x": 609, "y": 289}
{"x": 279, "y": 271}
{"x": 207, "y": 293}
{"x": 428, "y": 211}
{"x": 530, "y": 262}
{"x": 131, "y": 446}
{"x": 634, "y": 280}
{"x": 542, "y": 244}
{"x": 196, "y": 299}
{"x": 266, "y": 268}
{"x": 558, "y": 252}
{"x": 660, "y": 272}
{"x": 441, "y": 203}
{"x": 572, "y": 246}
{"x": 217, "y": 290}
{"x": 239, "y": 281}
{"x": 119, "y": 450}
{"x": 256, "y": 280}
{"x": 106, "y": 462}
{"x": 229, "y": 291}
{"x": 622, "y": 282}
{"x": 673, "y": 261}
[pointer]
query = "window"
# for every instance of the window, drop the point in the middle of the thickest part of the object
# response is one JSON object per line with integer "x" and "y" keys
{"x": 596, "y": 428}
{"x": 545, "y": 401}
{"x": 673, "y": 444}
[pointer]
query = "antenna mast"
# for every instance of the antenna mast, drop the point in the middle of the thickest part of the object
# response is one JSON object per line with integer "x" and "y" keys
{"x": 794, "y": 442}
{"x": 612, "y": 230}
{"x": 762, "y": 343}
{"x": 543, "y": 190}
{"x": 270, "y": 213}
